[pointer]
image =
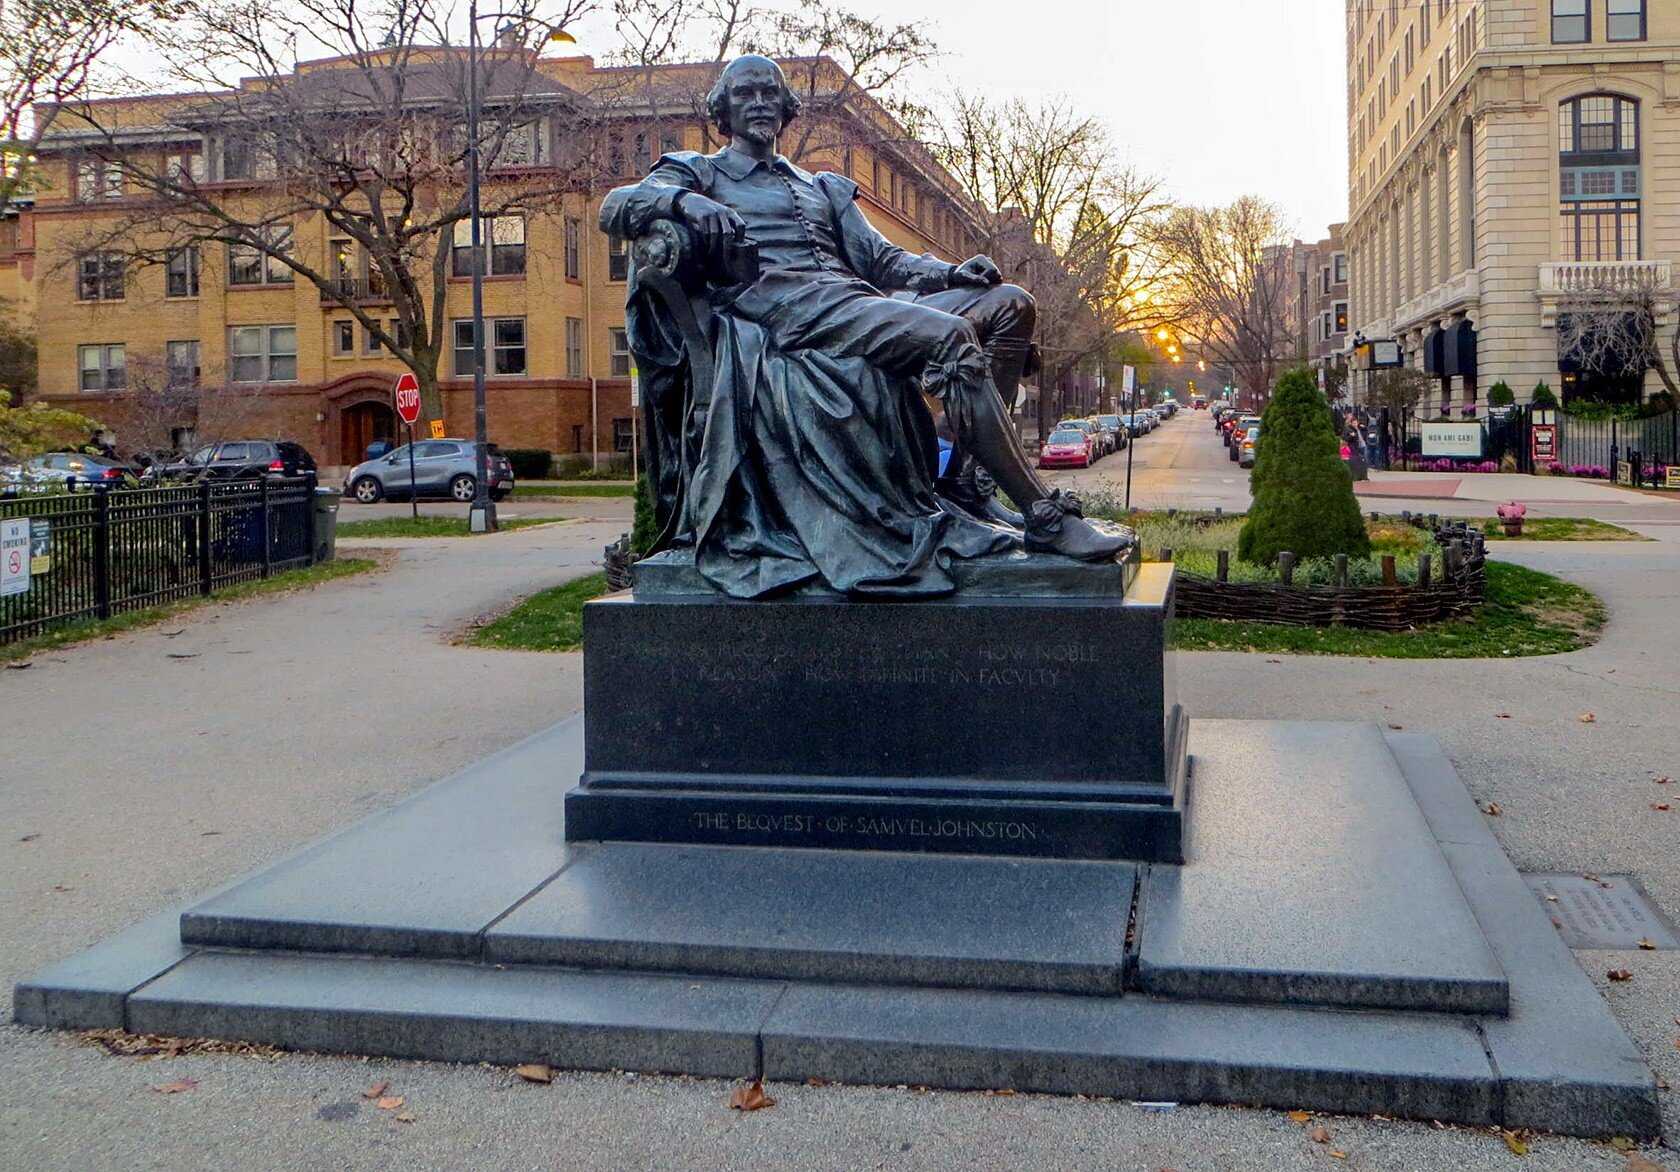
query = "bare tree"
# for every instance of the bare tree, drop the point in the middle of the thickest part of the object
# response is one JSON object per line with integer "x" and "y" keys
{"x": 372, "y": 140}
{"x": 51, "y": 53}
{"x": 1063, "y": 220}
{"x": 1230, "y": 278}
{"x": 1609, "y": 326}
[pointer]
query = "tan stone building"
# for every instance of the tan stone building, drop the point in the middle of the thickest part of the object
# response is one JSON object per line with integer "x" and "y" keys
{"x": 1509, "y": 159}
{"x": 287, "y": 360}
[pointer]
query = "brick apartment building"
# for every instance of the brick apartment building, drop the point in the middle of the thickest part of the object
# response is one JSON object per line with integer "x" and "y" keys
{"x": 1321, "y": 300}
{"x": 1509, "y": 158}
{"x": 287, "y": 360}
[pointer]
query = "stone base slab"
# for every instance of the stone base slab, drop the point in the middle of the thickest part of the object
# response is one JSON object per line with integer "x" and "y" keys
{"x": 859, "y": 993}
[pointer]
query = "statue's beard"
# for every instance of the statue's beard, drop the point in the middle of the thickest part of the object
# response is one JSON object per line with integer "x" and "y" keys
{"x": 762, "y": 134}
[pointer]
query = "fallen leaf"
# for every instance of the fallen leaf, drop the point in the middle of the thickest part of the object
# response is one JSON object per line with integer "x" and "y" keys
{"x": 30, "y": 837}
{"x": 1268, "y": 661}
{"x": 1397, "y": 727}
{"x": 208, "y": 833}
{"x": 389, "y": 1102}
{"x": 1588, "y": 718}
{"x": 1659, "y": 805}
{"x": 176, "y": 1087}
{"x": 1619, "y": 975}
{"x": 1664, "y": 780}
{"x": 814, "y": 1081}
{"x": 376, "y": 1090}
{"x": 183, "y": 655}
{"x": 1502, "y": 716}
{"x": 1662, "y": 1083}
{"x": 1646, "y": 944}
{"x": 1515, "y": 1143}
{"x": 1319, "y": 1134}
{"x": 1001, "y": 1091}
{"x": 750, "y": 1098}
{"x": 1590, "y": 878}
{"x": 1335, "y": 1154}
{"x": 535, "y": 1072}
{"x": 61, "y": 888}
{"x": 1492, "y": 809}
{"x": 1621, "y": 1143}
{"x": 1300, "y": 1116}
{"x": 1551, "y": 899}
{"x": 404, "y": 1117}
{"x": 20, "y": 666}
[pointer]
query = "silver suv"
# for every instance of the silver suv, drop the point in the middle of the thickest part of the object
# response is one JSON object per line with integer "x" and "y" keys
{"x": 445, "y": 469}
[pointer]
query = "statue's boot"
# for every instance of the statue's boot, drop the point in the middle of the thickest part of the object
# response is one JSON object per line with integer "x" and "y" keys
{"x": 970, "y": 486}
{"x": 1054, "y": 522}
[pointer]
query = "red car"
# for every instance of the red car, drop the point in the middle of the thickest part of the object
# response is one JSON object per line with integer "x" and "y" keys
{"x": 1066, "y": 449}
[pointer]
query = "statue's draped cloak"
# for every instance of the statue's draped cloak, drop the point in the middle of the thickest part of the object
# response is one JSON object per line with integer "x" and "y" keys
{"x": 807, "y": 464}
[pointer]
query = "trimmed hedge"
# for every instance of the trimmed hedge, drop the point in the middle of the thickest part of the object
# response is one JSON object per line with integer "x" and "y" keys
{"x": 530, "y": 463}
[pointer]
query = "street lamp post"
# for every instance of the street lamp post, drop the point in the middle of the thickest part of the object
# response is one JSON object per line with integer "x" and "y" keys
{"x": 482, "y": 518}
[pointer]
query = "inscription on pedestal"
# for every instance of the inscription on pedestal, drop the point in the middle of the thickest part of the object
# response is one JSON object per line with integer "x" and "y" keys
{"x": 999, "y": 665}
{"x": 779, "y": 828}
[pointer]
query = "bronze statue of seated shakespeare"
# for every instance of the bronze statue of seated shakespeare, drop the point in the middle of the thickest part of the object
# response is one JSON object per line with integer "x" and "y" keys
{"x": 788, "y": 440}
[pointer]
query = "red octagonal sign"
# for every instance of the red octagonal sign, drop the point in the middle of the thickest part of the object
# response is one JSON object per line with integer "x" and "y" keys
{"x": 408, "y": 397}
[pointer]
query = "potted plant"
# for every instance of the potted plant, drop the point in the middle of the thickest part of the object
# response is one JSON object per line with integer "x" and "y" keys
{"x": 1511, "y": 517}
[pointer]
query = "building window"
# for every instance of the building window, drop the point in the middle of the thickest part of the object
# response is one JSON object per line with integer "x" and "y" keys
{"x": 180, "y": 361}
{"x": 344, "y": 338}
{"x": 251, "y": 264}
{"x": 505, "y": 238}
{"x": 574, "y": 347}
{"x": 1423, "y": 21}
{"x": 507, "y": 346}
{"x": 184, "y": 168}
{"x": 522, "y": 146}
{"x": 97, "y": 179}
{"x": 1339, "y": 311}
{"x": 99, "y": 276}
{"x": 620, "y": 349}
{"x": 1599, "y": 178}
{"x": 1571, "y": 22}
{"x": 1339, "y": 272}
{"x": 104, "y": 368}
{"x": 574, "y": 248}
{"x": 244, "y": 158}
{"x": 622, "y": 435}
{"x": 262, "y": 354}
{"x": 1601, "y": 230}
{"x": 180, "y": 272}
{"x": 618, "y": 260}
{"x": 1625, "y": 20}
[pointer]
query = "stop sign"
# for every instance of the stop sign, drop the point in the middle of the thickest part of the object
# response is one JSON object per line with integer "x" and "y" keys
{"x": 408, "y": 397}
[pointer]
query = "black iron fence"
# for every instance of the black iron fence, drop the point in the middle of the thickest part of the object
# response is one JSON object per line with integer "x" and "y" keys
{"x": 97, "y": 553}
{"x": 1569, "y": 445}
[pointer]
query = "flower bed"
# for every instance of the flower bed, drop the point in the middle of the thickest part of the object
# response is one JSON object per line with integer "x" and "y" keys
{"x": 1446, "y": 464}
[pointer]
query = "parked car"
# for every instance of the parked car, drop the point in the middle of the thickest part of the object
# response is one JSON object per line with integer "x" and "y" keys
{"x": 445, "y": 469}
{"x": 1247, "y": 446}
{"x": 1116, "y": 427}
{"x": 1090, "y": 429}
{"x": 70, "y": 469}
{"x": 238, "y": 460}
{"x": 1067, "y": 447}
{"x": 1238, "y": 425}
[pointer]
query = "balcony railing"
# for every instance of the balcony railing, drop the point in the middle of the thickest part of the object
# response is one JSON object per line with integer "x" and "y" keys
{"x": 1453, "y": 295}
{"x": 1632, "y": 282}
{"x": 354, "y": 289}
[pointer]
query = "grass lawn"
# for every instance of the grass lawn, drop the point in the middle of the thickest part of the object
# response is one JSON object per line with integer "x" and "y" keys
{"x": 1563, "y": 529}
{"x": 425, "y": 526}
{"x": 1526, "y": 613}
{"x": 1196, "y": 549}
{"x": 130, "y": 620}
{"x": 550, "y": 621}
{"x": 576, "y": 488}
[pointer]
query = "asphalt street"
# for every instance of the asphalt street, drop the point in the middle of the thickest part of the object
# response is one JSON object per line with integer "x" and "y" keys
{"x": 147, "y": 767}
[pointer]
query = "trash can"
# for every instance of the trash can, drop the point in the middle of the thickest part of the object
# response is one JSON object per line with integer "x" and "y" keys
{"x": 326, "y": 524}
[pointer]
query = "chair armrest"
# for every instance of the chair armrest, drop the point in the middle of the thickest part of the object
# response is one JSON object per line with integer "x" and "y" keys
{"x": 669, "y": 251}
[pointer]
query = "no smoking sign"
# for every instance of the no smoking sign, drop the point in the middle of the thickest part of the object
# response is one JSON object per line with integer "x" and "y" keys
{"x": 14, "y": 556}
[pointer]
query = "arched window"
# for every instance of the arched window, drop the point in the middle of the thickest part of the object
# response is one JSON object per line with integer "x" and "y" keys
{"x": 1443, "y": 177}
{"x": 1599, "y": 181}
{"x": 1467, "y": 193}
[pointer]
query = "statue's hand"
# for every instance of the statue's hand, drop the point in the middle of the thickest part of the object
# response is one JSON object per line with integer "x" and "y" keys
{"x": 714, "y": 222}
{"x": 977, "y": 270}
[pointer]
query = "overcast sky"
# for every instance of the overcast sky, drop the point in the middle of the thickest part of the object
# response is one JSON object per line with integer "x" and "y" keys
{"x": 1216, "y": 97}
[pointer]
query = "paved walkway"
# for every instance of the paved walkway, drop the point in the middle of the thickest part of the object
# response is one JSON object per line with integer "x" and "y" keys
{"x": 145, "y": 778}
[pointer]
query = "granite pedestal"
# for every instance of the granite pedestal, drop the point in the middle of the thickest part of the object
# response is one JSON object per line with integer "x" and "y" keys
{"x": 1383, "y": 956}
{"x": 1005, "y": 720}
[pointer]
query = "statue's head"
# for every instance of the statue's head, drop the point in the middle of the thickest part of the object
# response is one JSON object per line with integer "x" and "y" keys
{"x": 753, "y": 99}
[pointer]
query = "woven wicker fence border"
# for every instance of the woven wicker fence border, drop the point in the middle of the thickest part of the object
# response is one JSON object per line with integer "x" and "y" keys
{"x": 1455, "y": 589}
